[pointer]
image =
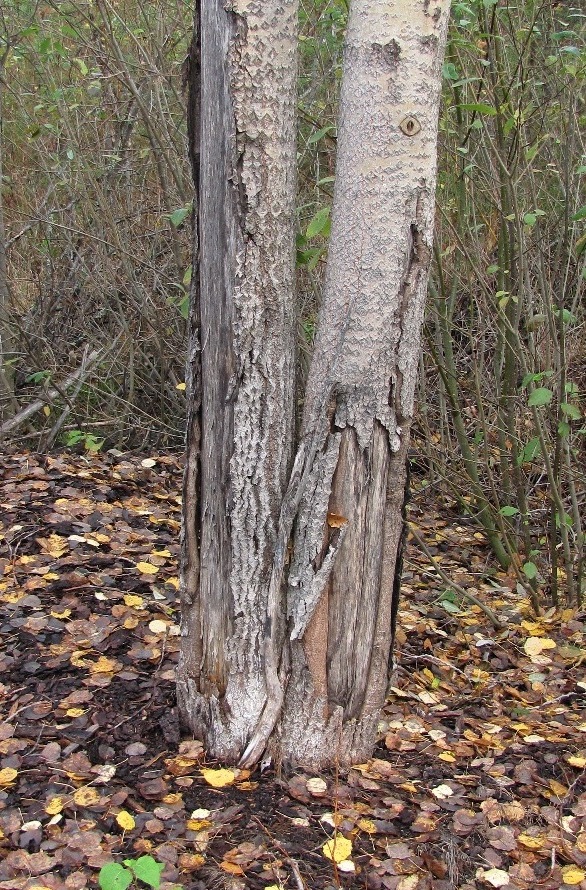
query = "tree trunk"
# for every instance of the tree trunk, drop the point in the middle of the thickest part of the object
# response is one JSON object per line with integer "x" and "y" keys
{"x": 303, "y": 667}
{"x": 350, "y": 486}
{"x": 7, "y": 401}
{"x": 240, "y": 441}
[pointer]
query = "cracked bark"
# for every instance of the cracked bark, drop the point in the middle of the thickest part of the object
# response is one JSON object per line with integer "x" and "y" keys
{"x": 241, "y": 358}
{"x": 360, "y": 392}
{"x": 294, "y": 655}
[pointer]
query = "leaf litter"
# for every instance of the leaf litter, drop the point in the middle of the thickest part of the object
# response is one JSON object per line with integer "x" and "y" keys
{"x": 477, "y": 780}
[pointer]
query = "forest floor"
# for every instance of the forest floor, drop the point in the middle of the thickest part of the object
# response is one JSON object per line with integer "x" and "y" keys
{"x": 478, "y": 779}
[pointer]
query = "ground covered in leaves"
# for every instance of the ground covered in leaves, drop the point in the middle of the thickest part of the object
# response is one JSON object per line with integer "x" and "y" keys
{"x": 477, "y": 781}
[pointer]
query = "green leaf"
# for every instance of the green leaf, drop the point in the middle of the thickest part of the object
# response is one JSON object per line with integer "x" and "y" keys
{"x": 539, "y": 397}
{"x": 530, "y": 570}
{"x": 563, "y": 429}
{"x": 529, "y": 219}
{"x": 178, "y": 216}
{"x": 571, "y": 411}
{"x": 580, "y": 214}
{"x": 452, "y": 608}
{"x": 183, "y": 307}
{"x": 146, "y": 869}
{"x": 319, "y": 223}
{"x": 508, "y": 511}
{"x": 449, "y": 71}
{"x": 479, "y": 107}
{"x": 529, "y": 451}
{"x": 319, "y": 134}
{"x": 113, "y": 876}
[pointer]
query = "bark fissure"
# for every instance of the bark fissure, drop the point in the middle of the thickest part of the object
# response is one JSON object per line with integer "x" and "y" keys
{"x": 247, "y": 187}
{"x": 298, "y": 580}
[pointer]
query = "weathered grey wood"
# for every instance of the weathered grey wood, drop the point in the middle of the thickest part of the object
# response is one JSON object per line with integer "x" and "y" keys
{"x": 246, "y": 323}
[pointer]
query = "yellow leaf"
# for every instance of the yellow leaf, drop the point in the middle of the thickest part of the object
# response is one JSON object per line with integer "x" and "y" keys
{"x": 367, "y": 825}
{"x": 573, "y": 875}
{"x": 7, "y": 776}
{"x": 125, "y": 821}
{"x": 103, "y": 665}
{"x": 558, "y": 789}
{"x": 181, "y": 387}
{"x": 576, "y": 760}
{"x": 532, "y": 843}
{"x": 445, "y": 755}
{"x": 174, "y": 582}
{"x": 536, "y": 645}
{"x": 75, "y": 712}
{"x": 131, "y": 600}
{"x": 198, "y": 824}
{"x": 54, "y": 806}
{"x": 46, "y": 410}
{"x": 581, "y": 842}
{"x": 86, "y": 797}
{"x": 218, "y": 778}
{"x": 64, "y": 614}
{"x": 338, "y": 848}
{"x": 146, "y": 568}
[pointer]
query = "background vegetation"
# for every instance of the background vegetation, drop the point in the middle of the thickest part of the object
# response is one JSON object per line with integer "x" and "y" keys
{"x": 95, "y": 234}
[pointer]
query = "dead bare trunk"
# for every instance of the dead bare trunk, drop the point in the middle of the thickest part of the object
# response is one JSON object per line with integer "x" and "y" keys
{"x": 240, "y": 446}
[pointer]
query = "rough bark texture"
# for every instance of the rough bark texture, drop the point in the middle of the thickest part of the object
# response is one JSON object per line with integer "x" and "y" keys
{"x": 294, "y": 655}
{"x": 360, "y": 393}
{"x": 7, "y": 401}
{"x": 240, "y": 440}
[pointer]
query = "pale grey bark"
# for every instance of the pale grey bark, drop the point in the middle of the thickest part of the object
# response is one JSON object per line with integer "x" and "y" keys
{"x": 7, "y": 402}
{"x": 241, "y": 445}
{"x": 349, "y": 488}
{"x": 288, "y": 604}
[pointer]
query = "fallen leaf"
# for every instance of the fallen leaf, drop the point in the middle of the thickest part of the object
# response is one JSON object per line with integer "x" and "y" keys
{"x": 442, "y": 792}
{"x": 218, "y": 778}
{"x": 573, "y": 875}
{"x": 86, "y": 797}
{"x": 536, "y": 645}
{"x": 125, "y": 821}
{"x": 316, "y": 787}
{"x": 496, "y": 877}
{"x": 147, "y": 568}
{"x": 346, "y": 866}
{"x": 54, "y": 805}
{"x": 158, "y": 627}
{"x": 531, "y": 842}
{"x": 7, "y": 776}
{"x": 338, "y": 848}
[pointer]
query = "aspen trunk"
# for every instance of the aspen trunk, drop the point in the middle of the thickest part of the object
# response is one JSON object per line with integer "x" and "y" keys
{"x": 348, "y": 485}
{"x": 290, "y": 576}
{"x": 241, "y": 357}
{"x": 7, "y": 401}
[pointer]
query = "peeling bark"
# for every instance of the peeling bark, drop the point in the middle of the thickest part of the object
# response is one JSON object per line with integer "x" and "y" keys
{"x": 242, "y": 345}
{"x": 360, "y": 392}
{"x": 289, "y": 577}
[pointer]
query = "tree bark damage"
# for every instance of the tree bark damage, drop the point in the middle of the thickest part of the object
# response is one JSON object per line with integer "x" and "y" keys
{"x": 300, "y": 649}
{"x": 241, "y": 357}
